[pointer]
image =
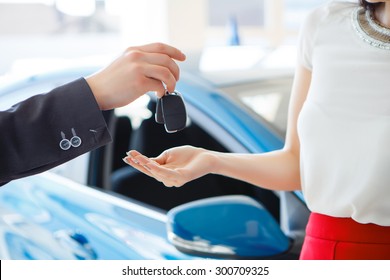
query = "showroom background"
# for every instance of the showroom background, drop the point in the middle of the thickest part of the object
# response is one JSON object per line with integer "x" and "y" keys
{"x": 38, "y": 34}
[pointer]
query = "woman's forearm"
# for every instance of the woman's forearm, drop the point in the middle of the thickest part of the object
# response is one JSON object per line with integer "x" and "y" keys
{"x": 277, "y": 170}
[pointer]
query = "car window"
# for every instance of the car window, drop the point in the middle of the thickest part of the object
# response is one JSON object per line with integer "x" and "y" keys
{"x": 267, "y": 100}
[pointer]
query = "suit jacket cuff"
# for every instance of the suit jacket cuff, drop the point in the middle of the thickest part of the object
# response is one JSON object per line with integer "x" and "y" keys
{"x": 37, "y": 130}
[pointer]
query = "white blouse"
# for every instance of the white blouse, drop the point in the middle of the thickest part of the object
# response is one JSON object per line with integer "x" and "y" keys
{"x": 344, "y": 125}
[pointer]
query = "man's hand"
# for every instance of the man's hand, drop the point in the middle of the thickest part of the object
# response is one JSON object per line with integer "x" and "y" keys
{"x": 137, "y": 71}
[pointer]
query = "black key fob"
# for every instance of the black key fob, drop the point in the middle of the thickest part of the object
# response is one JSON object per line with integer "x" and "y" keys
{"x": 174, "y": 112}
{"x": 159, "y": 117}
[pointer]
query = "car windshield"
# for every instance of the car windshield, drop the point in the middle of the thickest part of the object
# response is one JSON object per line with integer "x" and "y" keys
{"x": 262, "y": 88}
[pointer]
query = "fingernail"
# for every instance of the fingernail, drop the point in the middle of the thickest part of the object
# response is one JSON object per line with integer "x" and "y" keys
{"x": 125, "y": 160}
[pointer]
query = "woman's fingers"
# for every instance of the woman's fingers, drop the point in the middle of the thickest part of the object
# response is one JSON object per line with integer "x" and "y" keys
{"x": 135, "y": 164}
{"x": 169, "y": 177}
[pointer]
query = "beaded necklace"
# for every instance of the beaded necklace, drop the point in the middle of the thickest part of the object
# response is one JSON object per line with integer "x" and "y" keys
{"x": 370, "y": 30}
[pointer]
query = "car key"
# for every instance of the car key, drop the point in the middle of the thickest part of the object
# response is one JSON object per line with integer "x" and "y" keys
{"x": 171, "y": 112}
{"x": 174, "y": 112}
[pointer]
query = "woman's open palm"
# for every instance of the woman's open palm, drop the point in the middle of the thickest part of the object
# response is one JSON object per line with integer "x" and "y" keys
{"x": 174, "y": 167}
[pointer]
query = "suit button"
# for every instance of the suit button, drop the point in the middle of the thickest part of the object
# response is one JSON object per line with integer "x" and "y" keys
{"x": 65, "y": 144}
{"x": 75, "y": 141}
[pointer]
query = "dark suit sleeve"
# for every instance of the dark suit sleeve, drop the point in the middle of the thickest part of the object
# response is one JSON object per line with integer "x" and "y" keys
{"x": 31, "y": 131}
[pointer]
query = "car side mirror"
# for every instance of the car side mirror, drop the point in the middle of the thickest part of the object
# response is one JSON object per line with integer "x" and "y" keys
{"x": 234, "y": 227}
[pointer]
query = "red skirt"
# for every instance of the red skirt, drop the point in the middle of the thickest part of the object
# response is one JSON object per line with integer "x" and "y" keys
{"x": 329, "y": 238}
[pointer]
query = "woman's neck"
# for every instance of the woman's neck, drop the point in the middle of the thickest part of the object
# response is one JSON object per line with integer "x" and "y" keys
{"x": 382, "y": 14}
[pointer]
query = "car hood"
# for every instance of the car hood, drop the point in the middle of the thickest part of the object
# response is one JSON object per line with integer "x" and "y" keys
{"x": 49, "y": 217}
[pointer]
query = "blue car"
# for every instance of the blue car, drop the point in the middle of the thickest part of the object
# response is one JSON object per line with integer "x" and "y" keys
{"x": 96, "y": 207}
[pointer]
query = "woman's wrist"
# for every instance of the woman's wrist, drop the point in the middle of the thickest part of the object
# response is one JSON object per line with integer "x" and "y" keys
{"x": 212, "y": 159}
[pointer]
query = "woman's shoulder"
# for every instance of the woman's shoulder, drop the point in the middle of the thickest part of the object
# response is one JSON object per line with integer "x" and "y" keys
{"x": 331, "y": 10}
{"x": 329, "y": 15}
{"x": 337, "y": 7}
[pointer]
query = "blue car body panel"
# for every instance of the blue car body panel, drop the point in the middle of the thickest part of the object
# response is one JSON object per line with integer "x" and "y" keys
{"x": 38, "y": 209}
